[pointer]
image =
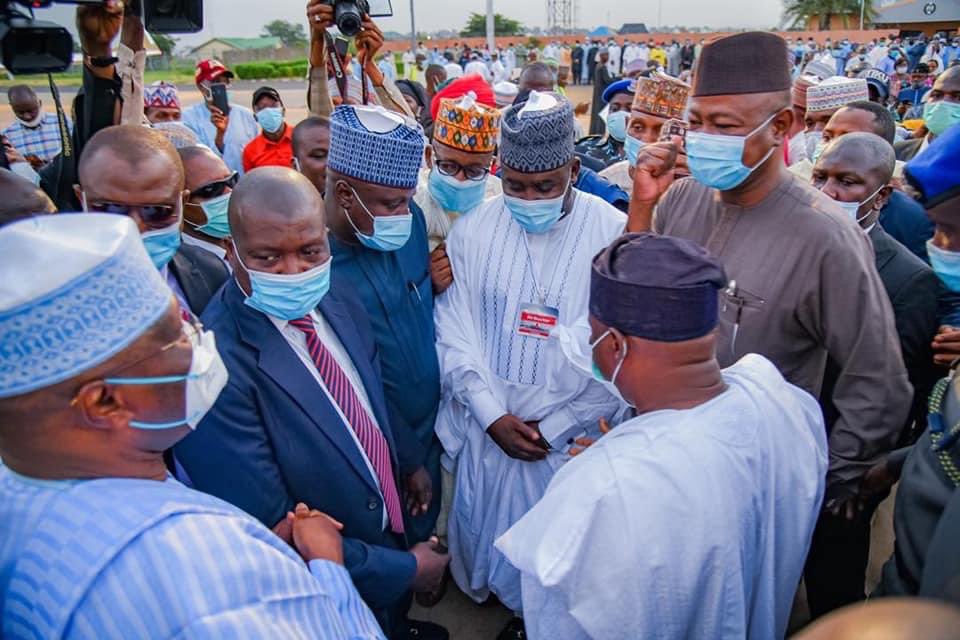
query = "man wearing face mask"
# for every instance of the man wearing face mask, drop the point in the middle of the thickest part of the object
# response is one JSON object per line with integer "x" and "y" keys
{"x": 512, "y": 403}
{"x": 304, "y": 418}
{"x": 225, "y": 133}
{"x": 378, "y": 239}
{"x": 824, "y": 100}
{"x": 36, "y": 133}
{"x": 739, "y": 448}
{"x": 855, "y": 170}
{"x": 83, "y": 483}
{"x": 804, "y": 286}
{"x": 456, "y": 178}
{"x": 135, "y": 171}
{"x": 941, "y": 112}
{"x": 273, "y": 147}
{"x": 658, "y": 98}
{"x": 210, "y": 183}
{"x": 608, "y": 149}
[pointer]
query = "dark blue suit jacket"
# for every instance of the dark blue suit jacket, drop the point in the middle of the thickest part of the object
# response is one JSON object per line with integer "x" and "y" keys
{"x": 273, "y": 438}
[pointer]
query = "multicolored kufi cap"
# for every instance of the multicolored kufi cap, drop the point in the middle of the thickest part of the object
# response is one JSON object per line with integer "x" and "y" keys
{"x": 467, "y": 125}
{"x": 661, "y": 95}
{"x": 836, "y": 92}
{"x": 377, "y": 146}
{"x": 161, "y": 95}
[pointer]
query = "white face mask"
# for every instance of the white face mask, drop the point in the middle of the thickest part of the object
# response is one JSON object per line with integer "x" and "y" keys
{"x": 852, "y": 209}
{"x": 32, "y": 124}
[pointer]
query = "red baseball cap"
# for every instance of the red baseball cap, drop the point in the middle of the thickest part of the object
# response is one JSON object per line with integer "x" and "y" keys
{"x": 211, "y": 70}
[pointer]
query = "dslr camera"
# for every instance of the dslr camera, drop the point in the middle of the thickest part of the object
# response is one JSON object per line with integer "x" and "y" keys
{"x": 348, "y": 14}
{"x": 28, "y": 45}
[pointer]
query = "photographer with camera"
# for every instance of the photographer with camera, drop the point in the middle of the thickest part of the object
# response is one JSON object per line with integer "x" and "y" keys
{"x": 323, "y": 15}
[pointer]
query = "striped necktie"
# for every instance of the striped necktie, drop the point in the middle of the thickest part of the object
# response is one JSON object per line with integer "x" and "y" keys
{"x": 370, "y": 437}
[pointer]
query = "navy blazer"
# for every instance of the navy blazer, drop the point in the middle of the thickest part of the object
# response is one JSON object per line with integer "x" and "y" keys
{"x": 274, "y": 439}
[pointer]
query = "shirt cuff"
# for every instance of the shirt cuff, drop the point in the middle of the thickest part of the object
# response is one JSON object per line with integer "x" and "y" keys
{"x": 558, "y": 427}
{"x": 332, "y": 575}
{"x": 485, "y": 408}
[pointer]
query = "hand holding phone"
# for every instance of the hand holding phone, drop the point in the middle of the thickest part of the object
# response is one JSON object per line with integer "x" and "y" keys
{"x": 218, "y": 96}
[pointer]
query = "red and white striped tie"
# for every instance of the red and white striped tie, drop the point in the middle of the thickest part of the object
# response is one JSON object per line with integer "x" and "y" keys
{"x": 370, "y": 437}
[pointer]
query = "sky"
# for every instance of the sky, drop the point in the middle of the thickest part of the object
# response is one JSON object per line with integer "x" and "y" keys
{"x": 244, "y": 18}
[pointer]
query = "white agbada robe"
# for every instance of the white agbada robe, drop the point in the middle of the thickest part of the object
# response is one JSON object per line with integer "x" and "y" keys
{"x": 488, "y": 370}
{"x": 680, "y": 524}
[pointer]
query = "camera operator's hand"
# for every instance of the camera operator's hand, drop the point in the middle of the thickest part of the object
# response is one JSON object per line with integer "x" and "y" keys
{"x": 320, "y": 17}
{"x": 98, "y": 25}
{"x": 369, "y": 42}
{"x": 132, "y": 33}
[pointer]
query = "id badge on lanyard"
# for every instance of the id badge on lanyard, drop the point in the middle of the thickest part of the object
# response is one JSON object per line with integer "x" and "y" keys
{"x": 536, "y": 320}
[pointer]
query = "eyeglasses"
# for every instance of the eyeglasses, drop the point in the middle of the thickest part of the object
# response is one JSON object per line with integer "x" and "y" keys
{"x": 215, "y": 189}
{"x": 155, "y": 216}
{"x": 451, "y": 168}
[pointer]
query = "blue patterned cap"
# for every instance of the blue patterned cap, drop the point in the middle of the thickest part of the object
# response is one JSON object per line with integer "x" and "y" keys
{"x": 375, "y": 145}
{"x": 77, "y": 290}
{"x": 537, "y": 135}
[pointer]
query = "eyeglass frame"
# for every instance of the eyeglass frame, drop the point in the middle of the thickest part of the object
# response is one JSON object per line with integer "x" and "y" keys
{"x": 459, "y": 167}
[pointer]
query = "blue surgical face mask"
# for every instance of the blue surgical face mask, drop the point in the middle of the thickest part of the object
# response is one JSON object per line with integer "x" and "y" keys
{"x": 218, "y": 225}
{"x": 536, "y": 216}
{"x": 287, "y": 296}
{"x": 162, "y": 244}
{"x": 946, "y": 264}
{"x": 633, "y": 147}
{"x": 852, "y": 209}
{"x": 717, "y": 160}
{"x": 940, "y": 116}
{"x": 456, "y": 195}
{"x": 204, "y": 382}
{"x": 617, "y": 125}
{"x": 271, "y": 119}
{"x": 389, "y": 232}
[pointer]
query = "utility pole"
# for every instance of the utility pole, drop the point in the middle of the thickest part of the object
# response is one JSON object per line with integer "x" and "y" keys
{"x": 862, "y": 4}
{"x": 491, "y": 32}
{"x": 413, "y": 29}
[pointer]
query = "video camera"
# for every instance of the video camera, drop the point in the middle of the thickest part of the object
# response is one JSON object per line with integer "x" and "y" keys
{"x": 28, "y": 45}
{"x": 348, "y": 14}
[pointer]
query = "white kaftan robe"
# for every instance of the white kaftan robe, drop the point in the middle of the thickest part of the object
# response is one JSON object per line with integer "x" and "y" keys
{"x": 488, "y": 370}
{"x": 680, "y": 524}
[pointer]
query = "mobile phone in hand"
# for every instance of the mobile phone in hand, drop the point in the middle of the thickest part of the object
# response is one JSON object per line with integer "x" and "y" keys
{"x": 218, "y": 96}
{"x": 5, "y": 146}
{"x": 672, "y": 128}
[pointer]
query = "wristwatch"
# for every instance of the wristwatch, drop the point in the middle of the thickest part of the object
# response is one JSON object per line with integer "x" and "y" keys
{"x": 100, "y": 62}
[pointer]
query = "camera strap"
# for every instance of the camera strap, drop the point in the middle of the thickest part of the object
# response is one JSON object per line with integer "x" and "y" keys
{"x": 337, "y": 63}
{"x": 65, "y": 140}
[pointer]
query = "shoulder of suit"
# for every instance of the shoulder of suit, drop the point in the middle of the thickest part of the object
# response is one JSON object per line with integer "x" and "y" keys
{"x": 201, "y": 259}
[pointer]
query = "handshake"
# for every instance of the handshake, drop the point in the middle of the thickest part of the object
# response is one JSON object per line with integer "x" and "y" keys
{"x": 316, "y": 536}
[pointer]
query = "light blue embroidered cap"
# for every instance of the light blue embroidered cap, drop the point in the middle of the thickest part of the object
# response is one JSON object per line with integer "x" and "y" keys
{"x": 377, "y": 146}
{"x": 76, "y": 290}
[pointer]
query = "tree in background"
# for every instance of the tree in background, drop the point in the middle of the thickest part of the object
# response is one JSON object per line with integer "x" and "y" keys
{"x": 165, "y": 43}
{"x": 797, "y": 13}
{"x": 477, "y": 26}
{"x": 290, "y": 34}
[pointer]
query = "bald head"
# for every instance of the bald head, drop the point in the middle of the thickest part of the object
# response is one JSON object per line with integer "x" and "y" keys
{"x": 126, "y": 149}
{"x": 21, "y": 92}
{"x": 888, "y": 619}
{"x": 276, "y": 193}
{"x": 864, "y": 152}
{"x": 536, "y": 76}
{"x": 21, "y": 199}
{"x": 23, "y": 102}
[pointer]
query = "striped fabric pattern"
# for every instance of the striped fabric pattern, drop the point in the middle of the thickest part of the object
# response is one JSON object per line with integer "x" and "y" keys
{"x": 371, "y": 438}
{"x": 43, "y": 142}
{"x": 141, "y": 559}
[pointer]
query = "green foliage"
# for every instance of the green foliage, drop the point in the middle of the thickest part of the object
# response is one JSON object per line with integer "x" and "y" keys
{"x": 534, "y": 43}
{"x": 797, "y": 12}
{"x": 271, "y": 69}
{"x": 292, "y": 35}
{"x": 165, "y": 43}
{"x": 477, "y": 26}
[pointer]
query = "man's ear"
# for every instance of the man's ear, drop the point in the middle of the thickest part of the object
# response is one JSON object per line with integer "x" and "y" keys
{"x": 884, "y": 197}
{"x": 78, "y": 193}
{"x": 101, "y": 406}
{"x": 782, "y": 123}
{"x": 575, "y": 171}
{"x": 428, "y": 156}
{"x": 619, "y": 342}
{"x": 343, "y": 194}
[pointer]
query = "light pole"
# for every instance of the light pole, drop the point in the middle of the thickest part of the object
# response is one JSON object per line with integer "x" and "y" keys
{"x": 491, "y": 40}
{"x": 862, "y": 4}
{"x": 413, "y": 29}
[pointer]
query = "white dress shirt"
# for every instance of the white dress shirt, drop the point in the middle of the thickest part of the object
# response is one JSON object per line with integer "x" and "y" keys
{"x": 298, "y": 342}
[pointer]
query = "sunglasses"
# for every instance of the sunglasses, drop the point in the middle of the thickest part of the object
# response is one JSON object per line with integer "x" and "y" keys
{"x": 155, "y": 216}
{"x": 215, "y": 189}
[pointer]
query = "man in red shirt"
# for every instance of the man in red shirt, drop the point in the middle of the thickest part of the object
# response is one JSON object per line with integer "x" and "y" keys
{"x": 273, "y": 147}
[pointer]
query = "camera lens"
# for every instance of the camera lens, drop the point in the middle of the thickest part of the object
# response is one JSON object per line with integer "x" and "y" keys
{"x": 347, "y": 17}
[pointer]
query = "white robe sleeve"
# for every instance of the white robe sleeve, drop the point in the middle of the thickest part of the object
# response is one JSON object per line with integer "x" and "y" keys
{"x": 463, "y": 370}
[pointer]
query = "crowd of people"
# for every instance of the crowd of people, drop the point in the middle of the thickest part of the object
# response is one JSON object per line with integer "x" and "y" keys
{"x": 271, "y": 379}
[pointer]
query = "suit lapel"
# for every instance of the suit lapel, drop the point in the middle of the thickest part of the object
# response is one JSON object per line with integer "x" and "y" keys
{"x": 278, "y": 361}
{"x": 189, "y": 278}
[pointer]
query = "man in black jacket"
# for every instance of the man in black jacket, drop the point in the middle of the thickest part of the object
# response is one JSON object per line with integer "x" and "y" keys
{"x": 135, "y": 171}
{"x": 855, "y": 170}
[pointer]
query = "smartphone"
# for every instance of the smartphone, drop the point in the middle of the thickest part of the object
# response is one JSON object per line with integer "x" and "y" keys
{"x": 672, "y": 128}
{"x": 218, "y": 96}
{"x": 4, "y": 146}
